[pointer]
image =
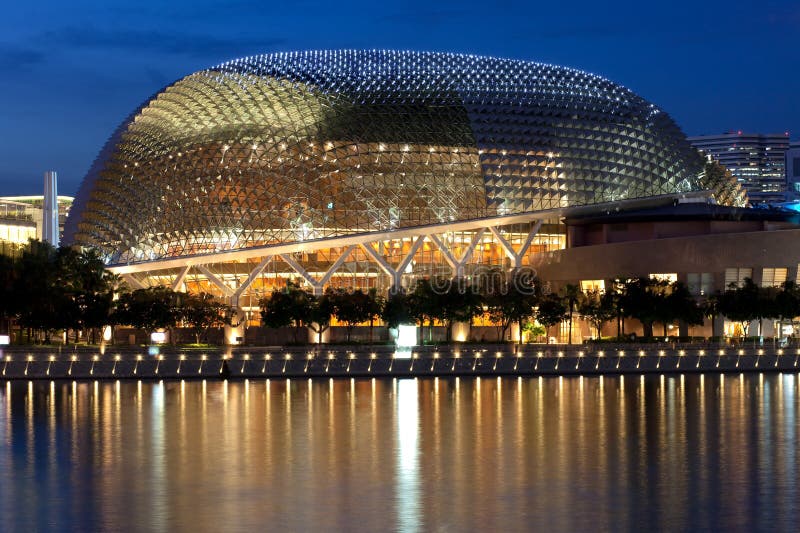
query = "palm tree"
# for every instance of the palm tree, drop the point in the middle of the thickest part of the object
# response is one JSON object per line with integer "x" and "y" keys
{"x": 572, "y": 296}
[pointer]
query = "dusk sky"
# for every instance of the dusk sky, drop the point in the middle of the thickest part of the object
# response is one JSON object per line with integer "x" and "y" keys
{"x": 72, "y": 71}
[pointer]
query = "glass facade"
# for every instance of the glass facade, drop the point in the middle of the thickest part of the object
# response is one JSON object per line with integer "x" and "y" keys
{"x": 299, "y": 147}
{"x": 756, "y": 161}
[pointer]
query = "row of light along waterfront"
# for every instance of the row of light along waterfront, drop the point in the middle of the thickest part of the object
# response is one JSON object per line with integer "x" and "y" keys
{"x": 159, "y": 363}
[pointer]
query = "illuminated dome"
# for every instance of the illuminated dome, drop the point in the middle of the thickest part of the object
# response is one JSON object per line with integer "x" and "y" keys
{"x": 290, "y": 147}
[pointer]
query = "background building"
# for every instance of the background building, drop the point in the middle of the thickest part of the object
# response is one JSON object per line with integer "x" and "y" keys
{"x": 22, "y": 218}
{"x": 755, "y": 160}
{"x": 793, "y": 172}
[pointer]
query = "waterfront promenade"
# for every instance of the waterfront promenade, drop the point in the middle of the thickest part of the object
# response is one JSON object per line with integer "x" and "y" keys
{"x": 167, "y": 362}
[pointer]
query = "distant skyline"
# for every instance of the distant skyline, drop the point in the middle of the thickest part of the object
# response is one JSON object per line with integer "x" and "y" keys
{"x": 72, "y": 72}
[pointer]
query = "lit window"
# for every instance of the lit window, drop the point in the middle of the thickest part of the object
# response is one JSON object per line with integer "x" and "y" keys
{"x": 597, "y": 285}
{"x": 773, "y": 277}
{"x": 737, "y": 276}
{"x": 669, "y": 278}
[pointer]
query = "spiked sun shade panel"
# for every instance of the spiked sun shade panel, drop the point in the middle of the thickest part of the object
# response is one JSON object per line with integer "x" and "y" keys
{"x": 290, "y": 147}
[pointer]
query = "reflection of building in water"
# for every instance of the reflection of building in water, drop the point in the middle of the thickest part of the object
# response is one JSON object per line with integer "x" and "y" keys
{"x": 563, "y": 454}
{"x": 409, "y": 504}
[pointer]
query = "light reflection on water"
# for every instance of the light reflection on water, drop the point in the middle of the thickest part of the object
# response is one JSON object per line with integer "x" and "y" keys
{"x": 638, "y": 452}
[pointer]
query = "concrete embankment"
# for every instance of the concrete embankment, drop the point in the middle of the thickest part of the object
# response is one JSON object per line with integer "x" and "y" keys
{"x": 382, "y": 361}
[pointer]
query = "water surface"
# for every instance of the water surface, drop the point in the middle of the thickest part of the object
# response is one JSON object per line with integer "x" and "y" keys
{"x": 651, "y": 452}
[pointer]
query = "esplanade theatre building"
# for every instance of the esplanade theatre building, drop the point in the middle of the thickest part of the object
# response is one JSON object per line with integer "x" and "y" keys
{"x": 364, "y": 169}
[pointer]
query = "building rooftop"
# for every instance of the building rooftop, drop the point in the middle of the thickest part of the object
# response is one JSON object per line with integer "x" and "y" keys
{"x": 688, "y": 211}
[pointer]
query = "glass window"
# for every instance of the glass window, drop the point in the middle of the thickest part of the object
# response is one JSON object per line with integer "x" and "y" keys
{"x": 598, "y": 285}
{"x": 669, "y": 278}
{"x": 706, "y": 283}
{"x": 737, "y": 276}
{"x": 700, "y": 283}
{"x": 773, "y": 277}
{"x": 693, "y": 282}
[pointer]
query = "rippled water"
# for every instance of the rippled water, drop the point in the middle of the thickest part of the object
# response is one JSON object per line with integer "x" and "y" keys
{"x": 676, "y": 453}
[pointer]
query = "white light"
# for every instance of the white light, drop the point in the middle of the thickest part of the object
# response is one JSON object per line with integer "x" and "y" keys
{"x": 406, "y": 335}
{"x": 5, "y": 340}
{"x": 158, "y": 337}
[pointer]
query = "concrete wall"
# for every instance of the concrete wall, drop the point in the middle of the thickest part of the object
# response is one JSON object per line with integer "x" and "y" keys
{"x": 703, "y": 253}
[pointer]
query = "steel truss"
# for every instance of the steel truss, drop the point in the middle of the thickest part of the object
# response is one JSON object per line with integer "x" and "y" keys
{"x": 381, "y": 260}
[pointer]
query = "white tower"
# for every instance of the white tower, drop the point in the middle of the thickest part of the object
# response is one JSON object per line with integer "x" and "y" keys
{"x": 50, "y": 208}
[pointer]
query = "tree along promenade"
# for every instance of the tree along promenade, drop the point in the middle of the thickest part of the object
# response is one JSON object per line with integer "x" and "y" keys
{"x": 162, "y": 362}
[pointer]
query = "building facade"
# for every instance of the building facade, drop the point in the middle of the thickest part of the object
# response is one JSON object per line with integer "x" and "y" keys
{"x": 23, "y": 218}
{"x": 707, "y": 247}
{"x": 369, "y": 169}
{"x": 755, "y": 160}
{"x": 793, "y": 172}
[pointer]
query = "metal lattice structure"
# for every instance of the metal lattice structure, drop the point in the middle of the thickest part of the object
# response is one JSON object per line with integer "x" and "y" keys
{"x": 311, "y": 146}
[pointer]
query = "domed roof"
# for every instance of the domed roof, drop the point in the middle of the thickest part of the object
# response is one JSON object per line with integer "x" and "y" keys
{"x": 289, "y": 147}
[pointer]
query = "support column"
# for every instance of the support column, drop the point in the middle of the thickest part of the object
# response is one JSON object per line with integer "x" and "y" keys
{"x": 235, "y": 334}
{"x": 227, "y": 291}
{"x": 516, "y": 256}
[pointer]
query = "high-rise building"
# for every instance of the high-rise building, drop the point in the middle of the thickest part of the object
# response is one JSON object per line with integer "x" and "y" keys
{"x": 50, "y": 230}
{"x": 755, "y": 160}
{"x": 793, "y": 172}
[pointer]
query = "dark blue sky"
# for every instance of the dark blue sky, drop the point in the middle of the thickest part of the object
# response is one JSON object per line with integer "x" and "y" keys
{"x": 72, "y": 71}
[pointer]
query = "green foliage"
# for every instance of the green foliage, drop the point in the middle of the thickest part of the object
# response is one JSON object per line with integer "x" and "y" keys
{"x": 511, "y": 298}
{"x": 535, "y": 330}
{"x": 288, "y": 307}
{"x": 8, "y": 281}
{"x": 320, "y": 314}
{"x": 572, "y": 298}
{"x": 787, "y": 301}
{"x": 642, "y": 299}
{"x": 446, "y": 300}
{"x": 680, "y": 305}
{"x": 46, "y": 289}
{"x": 397, "y": 310}
{"x": 551, "y": 310}
{"x": 355, "y": 307}
{"x": 202, "y": 312}
{"x": 741, "y": 304}
{"x": 149, "y": 309}
{"x": 598, "y": 307}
